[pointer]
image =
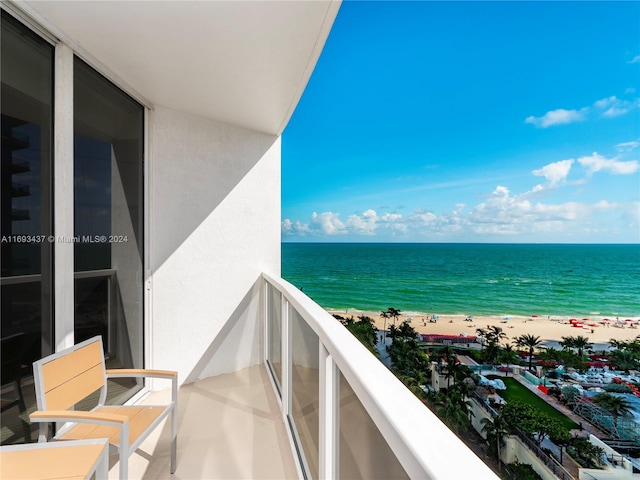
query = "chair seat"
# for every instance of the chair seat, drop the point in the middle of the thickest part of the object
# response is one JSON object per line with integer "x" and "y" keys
{"x": 55, "y": 461}
{"x": 139, "y": 420}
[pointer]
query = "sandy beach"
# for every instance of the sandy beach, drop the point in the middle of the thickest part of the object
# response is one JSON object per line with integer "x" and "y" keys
{"x": 549, "y": 329}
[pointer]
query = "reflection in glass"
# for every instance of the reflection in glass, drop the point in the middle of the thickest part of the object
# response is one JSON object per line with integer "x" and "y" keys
{"x": 363, "y": 451}
{"x": 305, "y": 392}
{"x": 26, "y": 218}
{"x": 108, "y": 216}
{"x": 91, "y": 309}
{"x": 274, "y": 316}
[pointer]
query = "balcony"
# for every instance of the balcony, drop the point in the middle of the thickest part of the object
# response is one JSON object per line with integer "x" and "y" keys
{"x": 319, "y": 394}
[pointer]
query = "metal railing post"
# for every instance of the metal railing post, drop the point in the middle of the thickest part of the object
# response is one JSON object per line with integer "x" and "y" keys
{"x": 329, "y": 415}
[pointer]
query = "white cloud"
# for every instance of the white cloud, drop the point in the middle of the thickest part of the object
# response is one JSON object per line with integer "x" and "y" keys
{"x": 607, "y": 107}
{"x": 596, "y": 163}
{"x": 627, "y": 146}
{"x": 635, "y": 59}
{"x": 501, "y": 214}
{"x": 555, "y": 173}
{"x": 557, "y": 117}
{"x": 614, "y": 107}
{"x": 294, "y": 228}
{"x": 423, "y": 217}
{"x": 327, "y": 222}
{"x": 364, "y": 224}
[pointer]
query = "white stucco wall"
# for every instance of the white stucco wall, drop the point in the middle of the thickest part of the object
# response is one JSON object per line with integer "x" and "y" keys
{"x": 214, "y": 226}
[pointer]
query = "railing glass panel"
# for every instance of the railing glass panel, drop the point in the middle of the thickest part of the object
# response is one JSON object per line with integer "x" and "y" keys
{"x": 363, "y": 451}
{"x": 373, "y": 427}
{"x": 304, "y": 387}
{"x": 274, "y": 332}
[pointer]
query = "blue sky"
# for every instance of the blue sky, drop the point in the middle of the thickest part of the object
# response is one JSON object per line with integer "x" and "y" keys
{"x": 469, "y": 122}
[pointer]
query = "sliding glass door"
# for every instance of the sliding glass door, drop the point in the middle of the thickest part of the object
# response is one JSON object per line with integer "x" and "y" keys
{"x": 26, "y": 223}
{"x": 108, "y": 215}
{"x": 107, "y": 278}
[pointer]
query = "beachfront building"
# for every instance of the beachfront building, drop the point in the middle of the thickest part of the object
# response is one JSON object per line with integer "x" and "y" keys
{"x": 141, "y": 202}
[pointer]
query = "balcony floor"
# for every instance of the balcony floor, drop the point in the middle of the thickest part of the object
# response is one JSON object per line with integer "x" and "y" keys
{"x": 229, "y": 427}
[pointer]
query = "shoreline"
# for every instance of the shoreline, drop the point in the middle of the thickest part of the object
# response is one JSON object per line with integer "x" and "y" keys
{"x": 598, "y": 329}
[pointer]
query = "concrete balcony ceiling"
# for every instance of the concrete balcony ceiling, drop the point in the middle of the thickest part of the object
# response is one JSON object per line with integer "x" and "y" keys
{"x": 243, "y": 63}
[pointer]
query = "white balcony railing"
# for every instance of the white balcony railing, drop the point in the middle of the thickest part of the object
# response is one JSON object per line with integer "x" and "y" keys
{"x": 347, "y": 415}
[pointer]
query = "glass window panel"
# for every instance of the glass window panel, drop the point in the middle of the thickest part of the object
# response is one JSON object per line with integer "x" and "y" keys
{"x": 305, "y": 392}
{"x": 26, "y": 219}
{"x": 274, "y": 312}
{"x": 364, "y": 453}
{"x": 108, "y": 219}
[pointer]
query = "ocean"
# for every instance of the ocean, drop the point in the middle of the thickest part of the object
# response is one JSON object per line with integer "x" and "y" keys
{"x": 469, "y": 279}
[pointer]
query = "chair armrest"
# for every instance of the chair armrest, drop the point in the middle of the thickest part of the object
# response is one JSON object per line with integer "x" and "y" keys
{"x": 141, "y": 372}
{"x": 78, "y": 416}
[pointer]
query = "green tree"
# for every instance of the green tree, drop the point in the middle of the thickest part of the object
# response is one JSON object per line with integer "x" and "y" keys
{"x": 408, "y": 361}
{"x": 531, "y": 421}
{"x": 585, "y": 453}
{"x": 508, "y": 355}
{"x": 529, "y": 341}
{"x": 617, "y": 406}
{"x": 562, "y": 438}
{"x": 482, "y": 332}
{"x": 632, "y": 346}
{"x": 567, "y": 342}
{"x": 492, "y": 338}
{"x": 624, "y": 360}
{"x": 363, "y": 329}
{"x": 579, "y": 343}
{"x": 393, "y": 313}
{"x": 454, "y": 409}
{"x": 570, "y": 394}
{"x": 495, "y": 429}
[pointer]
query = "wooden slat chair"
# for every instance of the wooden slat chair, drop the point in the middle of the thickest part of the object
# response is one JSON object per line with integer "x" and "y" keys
{"x": 73, "y": 460}
{"x": 68, "y": 377}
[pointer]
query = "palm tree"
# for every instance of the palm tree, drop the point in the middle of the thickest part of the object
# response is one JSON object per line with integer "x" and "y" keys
{"x": 393, "y": 313}
{"x": 617, "y": 344}
{"x": 495, "y": 429}
{"x": 624, "y": 360}
{"x": 454, "y": 410}
{"x": 615, "y": 405}
{"x": 493, "y": 337}
{"x": 529, "y": 341}
{"x": 581, "y": 343}
{"x": 567, "y": 343}
{"x": 384, "y": 316}
{"x": 496, "y": 334}
{"x": 508, "y": 355}
{"x": 482, "y": 332}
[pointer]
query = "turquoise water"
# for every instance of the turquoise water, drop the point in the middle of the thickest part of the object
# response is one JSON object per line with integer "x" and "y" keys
{"x": 469, "y": 279}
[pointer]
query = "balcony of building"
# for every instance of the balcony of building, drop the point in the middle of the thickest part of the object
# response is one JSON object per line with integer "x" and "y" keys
{"x": 320, "y": 406}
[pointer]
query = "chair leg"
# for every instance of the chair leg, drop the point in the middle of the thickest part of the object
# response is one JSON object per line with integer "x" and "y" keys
{"x": 43, "y": 432}
{"x": 123, "y": 450}
{"x": 124, "y": 466}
